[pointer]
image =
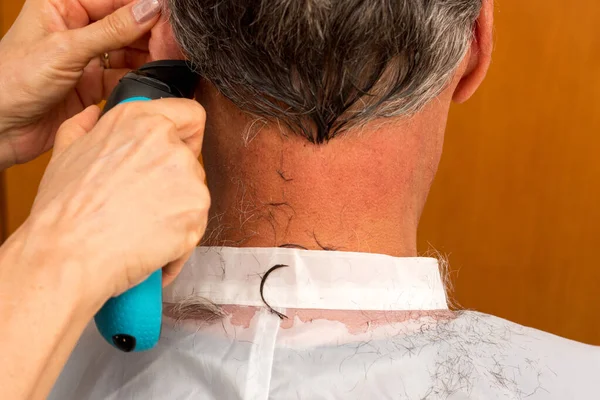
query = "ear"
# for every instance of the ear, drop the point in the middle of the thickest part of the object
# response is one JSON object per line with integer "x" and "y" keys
{"x": 479, "y": 55}
{"x": 162, "y": 44}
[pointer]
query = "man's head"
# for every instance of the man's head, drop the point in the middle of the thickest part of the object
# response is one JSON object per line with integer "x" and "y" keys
{"x": 326, "y": 117}
{"x": 323, "y": 66}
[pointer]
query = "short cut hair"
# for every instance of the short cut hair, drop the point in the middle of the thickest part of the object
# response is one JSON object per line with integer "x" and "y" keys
{"x": 323, "y": 66}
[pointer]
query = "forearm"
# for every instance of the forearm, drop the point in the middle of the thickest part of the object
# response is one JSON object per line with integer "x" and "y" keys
{"x": 42, "y": 317}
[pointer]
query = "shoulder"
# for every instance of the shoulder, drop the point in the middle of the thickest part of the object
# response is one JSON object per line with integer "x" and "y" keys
{"x": 506, "y": 333}
{"x": 526, "y": 360}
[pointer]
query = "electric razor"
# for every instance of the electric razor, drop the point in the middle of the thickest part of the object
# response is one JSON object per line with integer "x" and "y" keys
{"x": 132, "y": 321}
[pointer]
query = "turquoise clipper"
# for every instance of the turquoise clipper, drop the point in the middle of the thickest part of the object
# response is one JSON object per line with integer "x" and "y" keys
{"x": 132, "y": 321}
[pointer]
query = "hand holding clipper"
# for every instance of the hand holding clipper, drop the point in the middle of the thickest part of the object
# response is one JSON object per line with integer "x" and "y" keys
{"x": 132, "y": 321}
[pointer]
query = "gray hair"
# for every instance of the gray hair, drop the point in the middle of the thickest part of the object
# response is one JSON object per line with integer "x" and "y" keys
{"x": 323, "y": 66}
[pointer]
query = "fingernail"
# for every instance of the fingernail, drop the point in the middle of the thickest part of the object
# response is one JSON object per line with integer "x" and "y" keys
{"x": 145, "y": 10}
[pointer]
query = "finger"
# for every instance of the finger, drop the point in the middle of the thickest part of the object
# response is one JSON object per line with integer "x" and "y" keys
{"x": 172, "y": 270}
{"x": 194, "y": 143}
{"x": 188, "y": 116}
{"x": 128, "y": 58}
{"x": 110, "y": 80}
{"x": 98, "y": 9}
{"x": 115, "y": 31}
{"x": 96, "y": 83}
{"x": 142, "y": 43}
{"x": 74, "y": 128}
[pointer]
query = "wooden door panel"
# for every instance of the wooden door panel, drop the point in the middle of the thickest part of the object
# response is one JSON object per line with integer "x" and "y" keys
{"x": 515, "y": 203}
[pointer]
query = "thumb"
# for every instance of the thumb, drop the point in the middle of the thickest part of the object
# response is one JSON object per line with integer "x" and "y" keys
{"x": 74, "y": 128}
{"x": 115, "y": 31}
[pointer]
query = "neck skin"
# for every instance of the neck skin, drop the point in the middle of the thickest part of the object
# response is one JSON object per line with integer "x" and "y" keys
{"x": 363, "y": 191}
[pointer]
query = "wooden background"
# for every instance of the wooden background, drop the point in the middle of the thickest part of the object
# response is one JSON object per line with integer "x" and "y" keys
{"x": 516, "y": 204}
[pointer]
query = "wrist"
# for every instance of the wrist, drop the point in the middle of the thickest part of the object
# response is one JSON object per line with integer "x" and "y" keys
{"x": 42, "y": 317}
{"x": 42, "y": 261}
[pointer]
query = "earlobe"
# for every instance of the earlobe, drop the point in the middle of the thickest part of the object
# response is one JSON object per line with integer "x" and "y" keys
{"x": 162, "y": 45}
{"x": 479, "y": 56}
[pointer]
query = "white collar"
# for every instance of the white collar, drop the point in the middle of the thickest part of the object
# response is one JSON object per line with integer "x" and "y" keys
{"x": 330, "y": 280}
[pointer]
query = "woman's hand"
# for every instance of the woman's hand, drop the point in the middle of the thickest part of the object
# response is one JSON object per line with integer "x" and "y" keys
{"x": 51, "y": 67}
{"x": 126, "y": 195}
{"x": 120, "y": 199}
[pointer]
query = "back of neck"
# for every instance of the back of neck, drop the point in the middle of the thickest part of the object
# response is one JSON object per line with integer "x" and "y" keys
{"x": 363, "y": 191}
